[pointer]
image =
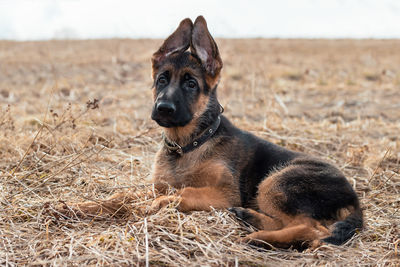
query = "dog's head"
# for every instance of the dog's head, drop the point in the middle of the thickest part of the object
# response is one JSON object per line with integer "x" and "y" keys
{"x": 183, "y": 80}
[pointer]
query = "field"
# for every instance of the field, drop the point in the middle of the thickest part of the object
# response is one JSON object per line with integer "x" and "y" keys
{"x": 75, "y": 125}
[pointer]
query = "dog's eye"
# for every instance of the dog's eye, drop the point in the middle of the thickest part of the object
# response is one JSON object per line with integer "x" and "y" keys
{"x": 162, "y": 80}
{"x": 192, "y": 84}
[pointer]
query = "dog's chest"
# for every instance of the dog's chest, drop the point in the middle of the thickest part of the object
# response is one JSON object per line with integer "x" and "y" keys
{"x": 190, "y": 169}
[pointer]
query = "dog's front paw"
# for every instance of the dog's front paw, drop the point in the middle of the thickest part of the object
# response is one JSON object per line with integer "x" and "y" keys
{"x": 246, "y": 240}
{"x": 80, "y": 210}
{"x": 161, "y": 202}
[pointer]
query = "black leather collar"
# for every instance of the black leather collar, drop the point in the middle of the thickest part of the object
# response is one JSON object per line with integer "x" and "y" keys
{"x": 173, "y": 147}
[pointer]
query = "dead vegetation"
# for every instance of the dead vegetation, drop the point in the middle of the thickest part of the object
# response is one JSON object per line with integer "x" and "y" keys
{"x": 75, "y": 125}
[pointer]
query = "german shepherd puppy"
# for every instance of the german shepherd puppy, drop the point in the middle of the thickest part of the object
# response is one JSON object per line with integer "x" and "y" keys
{"x": 293, "y": 199}
{"x": 290, "y": 197}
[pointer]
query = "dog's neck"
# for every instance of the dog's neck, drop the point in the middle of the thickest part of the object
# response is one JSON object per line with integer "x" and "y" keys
{"x": 195, "y": 143}
{"x": 181, "y": 135}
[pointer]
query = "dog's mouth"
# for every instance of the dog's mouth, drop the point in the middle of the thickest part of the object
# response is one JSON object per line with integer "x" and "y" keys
{"x": 170, "y": 122}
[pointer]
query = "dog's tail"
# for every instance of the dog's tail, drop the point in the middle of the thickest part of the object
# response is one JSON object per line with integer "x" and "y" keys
{"x": 344, "y": 230}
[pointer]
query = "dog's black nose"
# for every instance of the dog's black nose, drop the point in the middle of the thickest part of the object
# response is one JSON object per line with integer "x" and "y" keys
{"x": 166, "y": 108}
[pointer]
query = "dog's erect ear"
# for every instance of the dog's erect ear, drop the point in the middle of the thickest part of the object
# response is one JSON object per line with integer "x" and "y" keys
{"x": 178, "y": 41}
{"x": 204, "y": 46}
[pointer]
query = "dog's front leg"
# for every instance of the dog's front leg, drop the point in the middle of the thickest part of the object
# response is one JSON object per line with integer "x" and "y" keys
{"x": 191, "y": 199}
{"x": 116, "y": 205}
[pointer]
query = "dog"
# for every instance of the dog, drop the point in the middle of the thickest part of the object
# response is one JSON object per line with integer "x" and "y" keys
{"x": 291, "y": 198}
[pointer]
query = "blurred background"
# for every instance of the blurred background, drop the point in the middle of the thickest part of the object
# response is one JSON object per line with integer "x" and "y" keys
{"x": 87, "y": 19}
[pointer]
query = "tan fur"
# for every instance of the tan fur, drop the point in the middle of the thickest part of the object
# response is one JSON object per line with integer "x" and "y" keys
{"x": 344, "y": 212}
{"x": 263, "y": 221}
{"x": 268, "y": 194}
{"x": 191, "y": 199}
{"x": 203, "y": 184}
{"x": 212, "y": 81}
{"x": 185, "y": 166}
{"x": 117, "y": 205}
{"x": 181, "y": 135}
{"x": 299, "y": 230}
{"x": 200, "y": 106}
{"x": 189, "y": 168}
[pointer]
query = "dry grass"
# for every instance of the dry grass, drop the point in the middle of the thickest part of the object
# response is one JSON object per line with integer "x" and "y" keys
{"x": 338, "y": 100}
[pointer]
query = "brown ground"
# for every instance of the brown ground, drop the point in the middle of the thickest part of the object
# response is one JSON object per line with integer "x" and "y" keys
{"x": 336, "y": 99}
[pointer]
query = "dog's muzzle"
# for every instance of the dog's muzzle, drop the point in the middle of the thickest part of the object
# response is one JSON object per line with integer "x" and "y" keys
{"x": 165, "y": 108}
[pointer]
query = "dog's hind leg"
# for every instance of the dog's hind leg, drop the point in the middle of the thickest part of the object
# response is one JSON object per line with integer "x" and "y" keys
{"x": 259, "y": 220}
{"x": 297, "y": 231}
{"x": 299, "y": 235}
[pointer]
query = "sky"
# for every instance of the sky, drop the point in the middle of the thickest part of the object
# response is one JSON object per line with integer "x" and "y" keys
{"x": 88, "y": 19}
